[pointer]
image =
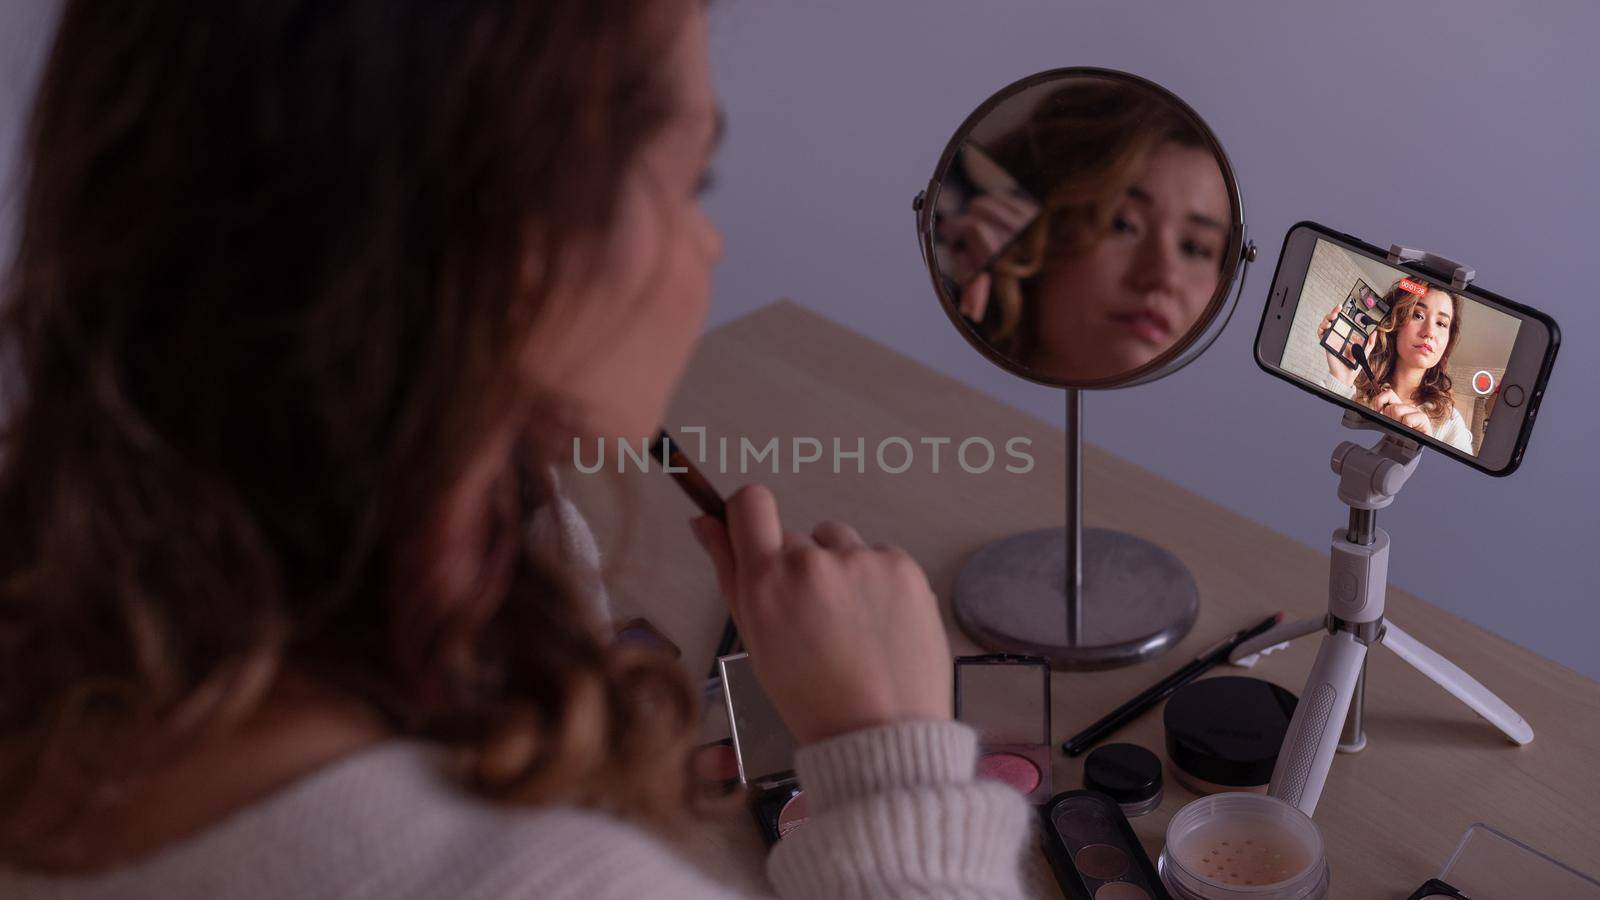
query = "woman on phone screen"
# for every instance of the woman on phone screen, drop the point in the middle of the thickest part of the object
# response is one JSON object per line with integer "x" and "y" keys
{"x": 1409, "y": 355}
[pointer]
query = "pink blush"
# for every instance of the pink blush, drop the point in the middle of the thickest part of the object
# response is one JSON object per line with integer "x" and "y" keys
{"x": 1017, "y": 771}
{"x": 793, "y": 815}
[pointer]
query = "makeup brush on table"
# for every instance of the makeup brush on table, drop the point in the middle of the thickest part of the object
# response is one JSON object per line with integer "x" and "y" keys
{"x": 1127, "y": 712}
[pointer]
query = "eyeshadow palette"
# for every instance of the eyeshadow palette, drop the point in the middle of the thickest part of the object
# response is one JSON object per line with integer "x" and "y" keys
{"x": 1358, "y": 317}
{"x": 1434, "y": 889}
{"x": 1093, "y": 851}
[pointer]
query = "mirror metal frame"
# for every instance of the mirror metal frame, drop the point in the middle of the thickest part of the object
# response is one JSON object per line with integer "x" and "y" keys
{"x": 1236, "y": 255}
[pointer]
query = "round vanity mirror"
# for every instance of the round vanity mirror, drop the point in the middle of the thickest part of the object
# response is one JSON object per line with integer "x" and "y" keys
{"x": 1084, "y": 230}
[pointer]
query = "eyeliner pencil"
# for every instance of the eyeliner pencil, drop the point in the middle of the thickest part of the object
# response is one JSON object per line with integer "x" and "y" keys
{"x": 1196, "y": 667}
{"x": 710, "y": 502}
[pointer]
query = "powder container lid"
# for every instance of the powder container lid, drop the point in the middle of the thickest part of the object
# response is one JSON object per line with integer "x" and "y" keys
{"x": 1227, "y": 730}
{"x": 1127, "y": 773}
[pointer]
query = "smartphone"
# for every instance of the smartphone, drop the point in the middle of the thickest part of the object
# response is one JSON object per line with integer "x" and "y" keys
{"x": 1458, "y": 370}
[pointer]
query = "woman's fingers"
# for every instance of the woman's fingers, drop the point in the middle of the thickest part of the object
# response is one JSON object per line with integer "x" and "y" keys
{"x": 713, "y": 538}
{"x": 1409, "y": 416}
{"x": 1008, "y": 216}
{"x": 1327, "y": 323}
{"x": 975, "y": 297}
{"x": 985, "y": 241}
{"x": 837, "y": 536}
{"x": 1024, "y": 206}
{"x": 975, "y": 243}
{"x": 753, "y": 527}
{"x": 1389, "y": 403}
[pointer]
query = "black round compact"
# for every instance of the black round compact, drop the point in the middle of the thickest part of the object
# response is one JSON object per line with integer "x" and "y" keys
{"x": 1128, "y": 774}
{"x": 1223, "y": 734}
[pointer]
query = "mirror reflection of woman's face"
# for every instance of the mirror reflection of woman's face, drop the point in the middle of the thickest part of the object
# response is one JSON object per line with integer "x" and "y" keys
{"x": 1140, "y": 288}
{"x": 1422, "y": 338}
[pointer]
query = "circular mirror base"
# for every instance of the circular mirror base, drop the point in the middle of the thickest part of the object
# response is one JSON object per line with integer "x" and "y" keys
{"x": 1137, "y": 599}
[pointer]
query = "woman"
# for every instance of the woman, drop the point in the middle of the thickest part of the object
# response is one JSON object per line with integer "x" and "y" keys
{"x": 1410, "y": 362}
{"x": 310, "y": 302}
{"x": 1126, "y": 255}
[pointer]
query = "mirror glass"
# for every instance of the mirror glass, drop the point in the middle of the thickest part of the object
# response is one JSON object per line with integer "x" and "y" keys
{"x": 1084, "y": 228}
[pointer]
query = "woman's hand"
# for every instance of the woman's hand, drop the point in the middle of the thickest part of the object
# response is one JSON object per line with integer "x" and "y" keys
{"x": 978, "y": 233}
{"x": 1389, "y": 403}
{"x": 975, "y": 298}
{"x": 843, "y": 636}
{"x": 1346, "y": 375}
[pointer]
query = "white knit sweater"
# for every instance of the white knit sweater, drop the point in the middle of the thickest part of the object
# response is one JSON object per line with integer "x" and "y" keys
{"x": 1453, "y": 431}
{"x": 894, "y": 812}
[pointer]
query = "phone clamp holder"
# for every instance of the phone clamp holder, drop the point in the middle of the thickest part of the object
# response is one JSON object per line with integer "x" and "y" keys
{"x": 1460, "y": 274}
{"x": 1329, "y": 714}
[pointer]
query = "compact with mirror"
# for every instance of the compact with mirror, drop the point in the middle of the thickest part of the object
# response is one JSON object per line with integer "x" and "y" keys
{"x": 764, "y": 749}
{"x": 1084, "y": 230}
{"x": 1006, "y": 700}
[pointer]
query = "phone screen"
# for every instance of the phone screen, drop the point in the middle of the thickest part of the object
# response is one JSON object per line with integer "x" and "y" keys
{"x": 1431, "y": 359}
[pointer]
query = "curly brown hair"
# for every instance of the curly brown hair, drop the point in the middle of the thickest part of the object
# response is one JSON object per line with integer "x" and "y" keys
{"x": 277, "y": 263}
{"x": 1433, "y": 396}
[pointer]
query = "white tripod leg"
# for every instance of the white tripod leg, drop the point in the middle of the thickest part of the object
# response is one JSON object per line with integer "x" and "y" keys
{"x": 1313, "y": 734}
{"x": 1454, "y": 679}
{"x": 1245, "y": 654}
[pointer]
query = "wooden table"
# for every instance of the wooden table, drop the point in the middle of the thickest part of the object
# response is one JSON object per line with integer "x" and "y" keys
{"x": 1390, "y": 815}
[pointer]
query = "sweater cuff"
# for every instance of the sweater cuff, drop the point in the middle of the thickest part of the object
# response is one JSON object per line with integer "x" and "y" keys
{"x": 887, "y": 758}
{"x": 1333, "y": 384}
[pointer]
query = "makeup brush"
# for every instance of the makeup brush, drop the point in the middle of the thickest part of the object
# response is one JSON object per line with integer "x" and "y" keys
{"x": 1361, "y": 358}
{"x": 1127, "y": 712}
{"x": 710, "y": 502}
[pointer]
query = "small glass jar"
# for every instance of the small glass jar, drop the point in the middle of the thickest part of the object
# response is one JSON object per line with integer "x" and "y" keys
{"x": 1128, "y": 774}
{"x": 1243, "y": 846}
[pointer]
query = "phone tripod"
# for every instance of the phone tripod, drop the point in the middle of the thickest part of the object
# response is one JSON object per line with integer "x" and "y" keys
{"x": 1329, "y": 712}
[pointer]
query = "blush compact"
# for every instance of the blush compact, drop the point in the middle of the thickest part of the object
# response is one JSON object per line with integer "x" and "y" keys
{"x": 1006, "y": 699}
{"x": 763, "y": 750}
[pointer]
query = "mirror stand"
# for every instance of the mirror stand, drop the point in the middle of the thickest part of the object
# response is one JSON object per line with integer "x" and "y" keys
{"x": 1082, "y": 598}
